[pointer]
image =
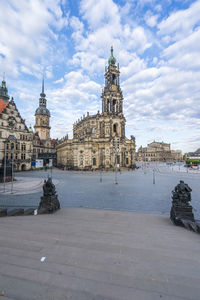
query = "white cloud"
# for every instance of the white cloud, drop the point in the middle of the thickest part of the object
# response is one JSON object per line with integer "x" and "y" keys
{"x": 105, "y": 28}
{"x": 98, "y": 13}
{"x": 59, "y": 80}
{"x": 151, "y": 20}
{"x": 68, "y": 103}
{"x": 181, "y": 23}
{"x": 26, "y": 37}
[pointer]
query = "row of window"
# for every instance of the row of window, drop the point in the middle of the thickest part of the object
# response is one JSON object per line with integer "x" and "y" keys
{"x": 16, "y": 156}
{"x": 2, "y": 124}
{"x": 94, "y": 162}
{"x": 40, "y": 151}
{"x": 23, "y": 137}
{"x": 15, "y": 146}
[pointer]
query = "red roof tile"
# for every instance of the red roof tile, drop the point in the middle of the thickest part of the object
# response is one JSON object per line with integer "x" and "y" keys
{"x": 2, "y": 105}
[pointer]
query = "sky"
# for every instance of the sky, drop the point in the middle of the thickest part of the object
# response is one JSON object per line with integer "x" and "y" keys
{"x": 156, "y": 43}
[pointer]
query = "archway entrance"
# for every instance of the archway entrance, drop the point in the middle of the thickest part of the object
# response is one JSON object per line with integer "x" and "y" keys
{"x": 23, "y": 167}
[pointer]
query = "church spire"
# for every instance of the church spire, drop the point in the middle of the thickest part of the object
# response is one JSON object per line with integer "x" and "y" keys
{"x": 43, "y": 84}
{"x": 42, "y": 95}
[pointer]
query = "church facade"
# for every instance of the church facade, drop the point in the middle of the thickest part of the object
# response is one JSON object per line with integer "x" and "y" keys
{"x": 99, "y": 140}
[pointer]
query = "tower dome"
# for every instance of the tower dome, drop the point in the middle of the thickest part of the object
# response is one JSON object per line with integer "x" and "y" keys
{"x": 112, "y": 59}
{"x": 42, "y": 111}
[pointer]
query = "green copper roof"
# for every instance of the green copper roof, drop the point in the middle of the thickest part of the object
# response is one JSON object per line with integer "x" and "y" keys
{"x": 112, "y": 59}
{"x": 30, "y": 129}
{"x": 4, "y": 92}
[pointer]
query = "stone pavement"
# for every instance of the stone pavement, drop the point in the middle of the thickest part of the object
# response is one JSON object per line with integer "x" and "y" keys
{"x": 23, "y": 186}
{"x": 85, "y": 254}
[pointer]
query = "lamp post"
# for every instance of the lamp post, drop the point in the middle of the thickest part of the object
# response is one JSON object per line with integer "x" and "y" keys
{"x": 12, "y": 148}
{"x": 100, "y": 174}
{"x": 115, "y": 145}
{"x": 4, "y": 171}
{"x": 154, "y": 179}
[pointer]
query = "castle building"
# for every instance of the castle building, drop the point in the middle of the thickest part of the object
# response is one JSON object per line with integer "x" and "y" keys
{"x": 99, "y": 140}
{"x": 43, "y": 146}
{"x": 15, "y": 137}
{"x": 160, "y": 152}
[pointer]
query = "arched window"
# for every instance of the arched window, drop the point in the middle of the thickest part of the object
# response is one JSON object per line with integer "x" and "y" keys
{"x": 114, "y": 106}
{"x": 114, "y": 81}
{"x": 115, "y": 128}
{"x": 108, "y": 105}
{"x": 94, "y": 161}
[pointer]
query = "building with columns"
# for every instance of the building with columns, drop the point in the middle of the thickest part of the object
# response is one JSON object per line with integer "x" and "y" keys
{"x": 99, "y": 140}
{"x": 158, "y": 151}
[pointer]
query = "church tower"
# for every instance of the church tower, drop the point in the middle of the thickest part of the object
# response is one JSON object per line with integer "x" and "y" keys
{"x": 42, "y": 116}
{"x": 112, "y": 99}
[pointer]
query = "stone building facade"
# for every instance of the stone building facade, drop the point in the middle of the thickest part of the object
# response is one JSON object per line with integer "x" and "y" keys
{"x": 19, "y": 143}
{"x": 157, "y": 151}
{"x": 99, "y": 140}
{"x": 15, "y": 137}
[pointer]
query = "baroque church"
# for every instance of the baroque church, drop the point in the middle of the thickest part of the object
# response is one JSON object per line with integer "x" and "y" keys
{"x": 99, "y": 140}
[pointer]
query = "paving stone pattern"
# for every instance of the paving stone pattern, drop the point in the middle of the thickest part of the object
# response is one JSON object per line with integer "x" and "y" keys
{"x": 87, "y": 254}
{"x": 135, "y": 191}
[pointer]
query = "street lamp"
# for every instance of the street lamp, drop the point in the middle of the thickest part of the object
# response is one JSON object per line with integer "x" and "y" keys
{"x": 4, "y": 171}
{"x": 154, "y": 178}
{"x": 100, "y": 174}
{"x": 12, "y": 152}
{"x": 13, "y": 140}
{"x": 116, "y": 146}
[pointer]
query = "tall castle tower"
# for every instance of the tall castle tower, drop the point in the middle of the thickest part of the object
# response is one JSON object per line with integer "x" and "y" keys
{"x": 4, "y": 92}
{"x": 42, "y": 116}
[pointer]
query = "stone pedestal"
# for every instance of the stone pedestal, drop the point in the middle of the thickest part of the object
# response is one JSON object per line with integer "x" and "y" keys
{"x": 48, "y": 204}
{"x": 29, "y": 211}
{"x": 8, "y": 174}
{"x": 179, "y": 213}
{"x": 16, "y": 212}
{"x": 3, "y": 212}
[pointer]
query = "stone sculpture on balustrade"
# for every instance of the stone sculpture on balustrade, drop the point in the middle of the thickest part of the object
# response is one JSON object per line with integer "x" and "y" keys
{"x": 49, "y": 201}
{"x": 182, "y": 212}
